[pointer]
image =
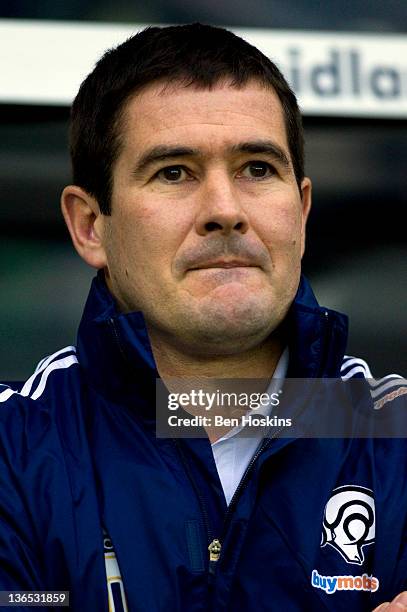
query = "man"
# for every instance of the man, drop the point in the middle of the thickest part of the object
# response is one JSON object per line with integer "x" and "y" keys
{"x": 189, "y": 197}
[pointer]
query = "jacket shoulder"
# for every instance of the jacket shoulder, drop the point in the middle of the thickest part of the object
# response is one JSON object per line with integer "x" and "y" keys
{"x": 44, "y": 377}
{"x": 382, "y": 390}
{"x": 37, "y": 479}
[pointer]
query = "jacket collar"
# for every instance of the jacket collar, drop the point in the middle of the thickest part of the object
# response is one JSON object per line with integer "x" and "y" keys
{"x": 115, "y": 352}
{"x": 316, "y": 335}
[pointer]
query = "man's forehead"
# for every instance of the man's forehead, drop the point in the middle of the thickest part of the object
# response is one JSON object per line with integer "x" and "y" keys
{"x": 162, "y": 110}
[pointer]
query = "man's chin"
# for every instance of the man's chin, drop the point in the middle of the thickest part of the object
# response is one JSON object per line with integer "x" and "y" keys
{"x": 228, "y": 286}
{"x": 222, "y": 334}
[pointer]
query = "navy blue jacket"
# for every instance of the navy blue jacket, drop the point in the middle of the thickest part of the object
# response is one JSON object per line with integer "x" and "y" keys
{"x": 86, "y": 487}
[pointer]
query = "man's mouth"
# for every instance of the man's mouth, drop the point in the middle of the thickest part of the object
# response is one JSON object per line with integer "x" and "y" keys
{"x": 225, "y": 264}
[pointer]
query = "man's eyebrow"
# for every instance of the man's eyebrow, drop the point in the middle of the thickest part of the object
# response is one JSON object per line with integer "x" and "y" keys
{"x": 263, "y": 146}
{"x": 161, "y": 153}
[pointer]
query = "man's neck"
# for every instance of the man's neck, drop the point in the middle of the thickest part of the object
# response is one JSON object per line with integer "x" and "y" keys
{"x": 217, "y": 374}
{"x": 257, "y": 362}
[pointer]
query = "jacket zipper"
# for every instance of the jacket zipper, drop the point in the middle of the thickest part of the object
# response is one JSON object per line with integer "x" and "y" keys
{"x": 215, "y": 545}
{"x": 266, "y": 442}
{"x": 325, "y": 324}
{"x": 214, "y": 548}
{"x": 243, "y": 482}
{"x": 201, "y": 499}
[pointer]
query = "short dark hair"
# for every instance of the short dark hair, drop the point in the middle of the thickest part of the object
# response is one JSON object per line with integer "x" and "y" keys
{"x": 194, "y": 54}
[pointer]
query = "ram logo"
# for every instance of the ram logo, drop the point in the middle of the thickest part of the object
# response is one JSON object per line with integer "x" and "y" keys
{"x": 349, "y": 522}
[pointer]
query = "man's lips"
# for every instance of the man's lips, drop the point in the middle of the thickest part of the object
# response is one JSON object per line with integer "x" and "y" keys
{"x": 232, "y": 263}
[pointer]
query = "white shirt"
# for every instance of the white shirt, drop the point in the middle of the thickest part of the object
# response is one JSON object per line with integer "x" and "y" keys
{"x": 232, "y": 453}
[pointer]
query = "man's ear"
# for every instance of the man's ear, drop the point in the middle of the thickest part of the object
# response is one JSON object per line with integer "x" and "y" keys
{"x": 306, "y": 189}
{"x": 85, "y": 224}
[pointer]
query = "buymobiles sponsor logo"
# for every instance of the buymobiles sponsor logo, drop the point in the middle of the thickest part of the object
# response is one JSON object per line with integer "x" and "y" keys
{"x": 331, "y": 584}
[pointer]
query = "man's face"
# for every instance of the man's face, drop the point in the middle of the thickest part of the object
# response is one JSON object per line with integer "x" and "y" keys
{"x": 207, "y": 227}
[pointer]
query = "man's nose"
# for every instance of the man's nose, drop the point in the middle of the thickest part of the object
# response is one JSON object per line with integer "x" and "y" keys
{"x": 220, "y": 208}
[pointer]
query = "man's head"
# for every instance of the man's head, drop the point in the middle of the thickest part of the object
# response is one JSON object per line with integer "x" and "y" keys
{"x": 187, "y": 152}
{"x": 193, "y": 55}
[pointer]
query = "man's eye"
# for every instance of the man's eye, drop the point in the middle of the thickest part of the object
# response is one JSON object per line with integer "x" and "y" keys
{"x": 172, "y": 174}
{"x": 257, "y": 170}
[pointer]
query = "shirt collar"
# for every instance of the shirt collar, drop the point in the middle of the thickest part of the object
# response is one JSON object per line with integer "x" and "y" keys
{"x": 274, "y": 386}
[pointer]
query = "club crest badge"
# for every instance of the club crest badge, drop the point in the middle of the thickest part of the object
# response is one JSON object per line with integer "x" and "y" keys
{"x": 349, "y": 522}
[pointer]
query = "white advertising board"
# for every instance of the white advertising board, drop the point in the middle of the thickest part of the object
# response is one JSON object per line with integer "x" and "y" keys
{"x": 332, "y": 73}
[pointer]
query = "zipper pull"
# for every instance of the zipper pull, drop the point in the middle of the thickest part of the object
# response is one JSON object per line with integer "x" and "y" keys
{"x": 214, "y": 553}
